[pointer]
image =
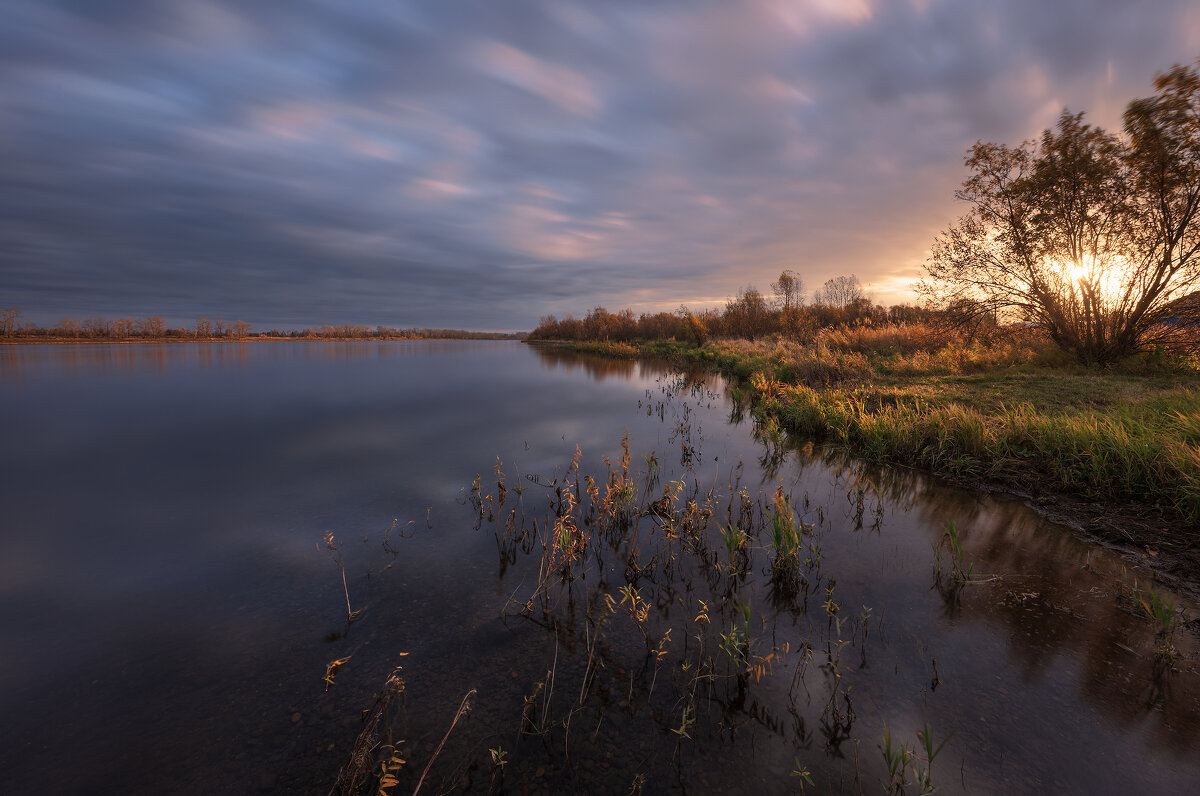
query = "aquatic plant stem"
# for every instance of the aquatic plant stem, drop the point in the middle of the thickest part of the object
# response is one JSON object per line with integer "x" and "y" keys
{"x": 346, "y": 589}
{"x": 463, "y": 708}
{"x": 333, "y": 550}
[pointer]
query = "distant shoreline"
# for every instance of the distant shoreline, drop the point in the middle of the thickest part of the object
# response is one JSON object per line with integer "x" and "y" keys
{"x": 262, "y": 339}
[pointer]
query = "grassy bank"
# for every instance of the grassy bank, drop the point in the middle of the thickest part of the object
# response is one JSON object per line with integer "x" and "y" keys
{"x": 1014, "y": 411}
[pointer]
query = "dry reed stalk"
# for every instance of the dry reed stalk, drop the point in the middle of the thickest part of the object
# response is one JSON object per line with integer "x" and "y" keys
{"x": 463, "y": 708}
{"x": 357, "y": 768}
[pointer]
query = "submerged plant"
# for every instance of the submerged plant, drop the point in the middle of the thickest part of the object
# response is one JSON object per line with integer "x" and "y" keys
{"x": 639, "y": 609}
{"x": 897, "y": 760}
{"x": 1162, "y": 611}
{"x": 499, "y": 761}
{"x": 951, "y": 538}
{"x": 801, "y": 771}
{"x": 1159, "y": 608}
{"x": 463, "y": 709}
{"x": 900, "y": 759}
{"x": 785, "y": 543}
{"x": 925, "y": 777}
{"x": 830, "y": 606}
{"x": 856, "y": 497}
{"x": 334, "y": 551}
{"x": 363, "y": 755}
{"x": 736, "y": 541}
{"x": 530, "y": 725}
{"x": 621, "y": 492}
{"x": 652, "y": 470}
{"x": 736, "y": 642}
{"x": 389, "y": 767}
{"x": 331, "y": 670}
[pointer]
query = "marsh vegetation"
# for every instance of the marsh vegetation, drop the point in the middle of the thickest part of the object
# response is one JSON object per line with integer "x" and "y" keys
{"x": 1115, "y": 447}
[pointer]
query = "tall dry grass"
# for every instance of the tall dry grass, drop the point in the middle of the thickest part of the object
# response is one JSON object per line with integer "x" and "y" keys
{"x": 858, "y": 353}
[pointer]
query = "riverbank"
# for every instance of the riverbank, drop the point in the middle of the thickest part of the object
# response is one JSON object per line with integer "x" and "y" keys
{"x": 1112, "y": 452}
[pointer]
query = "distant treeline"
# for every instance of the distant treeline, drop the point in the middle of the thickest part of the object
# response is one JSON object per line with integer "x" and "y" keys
{"x": 749, "y": 315}
{"x": 352, "y": 332}
{"x": 155, "y": 328}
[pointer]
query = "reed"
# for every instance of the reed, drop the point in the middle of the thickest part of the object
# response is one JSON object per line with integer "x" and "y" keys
{"x": 903, "y": 761}
{"x": 785, "y": 543}
{"x": 367, "y": 754}
{"x": 333, "y": 549}
{"x": 960, "y": 572}
{"x": 1158, "y": 608}
{"x": 464, "y": 708}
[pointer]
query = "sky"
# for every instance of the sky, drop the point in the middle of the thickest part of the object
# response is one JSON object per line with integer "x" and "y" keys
{"x": 481, "y": 164}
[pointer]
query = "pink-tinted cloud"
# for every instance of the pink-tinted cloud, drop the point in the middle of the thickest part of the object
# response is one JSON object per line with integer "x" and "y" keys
{"x": 559, "y": 85}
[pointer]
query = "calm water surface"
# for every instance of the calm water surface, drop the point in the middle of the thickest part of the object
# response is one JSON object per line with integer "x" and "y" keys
{"x": 169, "y": 610}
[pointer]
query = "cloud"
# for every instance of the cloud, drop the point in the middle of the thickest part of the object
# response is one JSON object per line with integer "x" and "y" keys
{"x": 563, "y": 87}
{"x": 481, "y": 164}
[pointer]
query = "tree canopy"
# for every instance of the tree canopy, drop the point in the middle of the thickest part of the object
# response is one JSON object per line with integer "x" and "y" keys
{"x": 1091, "y": 236}
{"x": 840, "y": 291}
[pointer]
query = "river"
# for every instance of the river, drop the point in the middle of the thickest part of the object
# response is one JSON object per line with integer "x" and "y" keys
{"x": 170, "y": 605}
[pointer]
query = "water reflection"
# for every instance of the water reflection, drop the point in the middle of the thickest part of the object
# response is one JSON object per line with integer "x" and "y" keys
{"x": 164, "y": 506}
{"x": 22, "y": 361}
{"x": 599, "y": 368}
{"x": 595, "y": 366}
{"x": 1059, "y": 600}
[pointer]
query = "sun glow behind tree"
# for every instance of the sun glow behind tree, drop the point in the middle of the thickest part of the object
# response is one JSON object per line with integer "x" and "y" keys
{"x": 1106, "y": 279}
{"x": 1089, "y": 235}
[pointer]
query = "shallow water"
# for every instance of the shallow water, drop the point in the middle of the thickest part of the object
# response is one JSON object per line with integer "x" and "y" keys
{"x": 169, "y": 609}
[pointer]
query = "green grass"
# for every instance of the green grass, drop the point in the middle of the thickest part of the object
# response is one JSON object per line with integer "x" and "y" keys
{"x": 1015, "y": 413}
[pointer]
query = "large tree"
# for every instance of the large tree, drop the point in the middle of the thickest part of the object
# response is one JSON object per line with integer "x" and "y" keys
{"x": 1090, "y": 236}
